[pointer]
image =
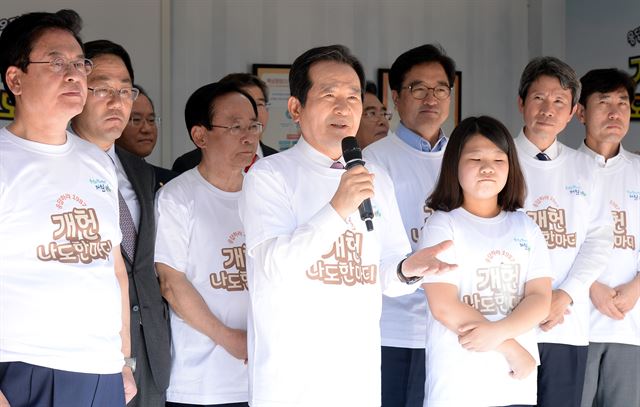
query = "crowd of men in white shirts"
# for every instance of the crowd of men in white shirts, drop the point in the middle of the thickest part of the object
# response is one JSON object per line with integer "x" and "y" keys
{"x": 277, "y": 293}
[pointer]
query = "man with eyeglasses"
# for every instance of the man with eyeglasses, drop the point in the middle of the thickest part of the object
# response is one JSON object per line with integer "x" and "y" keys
{"x": 200, "y": 251}
{"x": 104, "y": 117}
{"x": 375, "y": 118}
{"x": 64, "y": 308}
{"x": 420, "y": 81}
{"x": 259, "y": 91}
{"x": 141, "y": 133}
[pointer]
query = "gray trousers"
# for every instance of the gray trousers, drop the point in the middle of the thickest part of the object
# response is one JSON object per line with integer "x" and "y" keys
{"x": 613, "y": 376}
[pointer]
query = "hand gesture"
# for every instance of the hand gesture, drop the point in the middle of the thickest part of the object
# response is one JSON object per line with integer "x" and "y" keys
{"x": 521, "y": 362}
{"x": 602, "y": 297}
{"x": 627, "y": 296}
{"x": 560, "y": 302}
{"x": 424, "y": 261}
{"x": 130, "y": 389}
{"x": 356, "y": 185}
{"x": 480, "y": 336}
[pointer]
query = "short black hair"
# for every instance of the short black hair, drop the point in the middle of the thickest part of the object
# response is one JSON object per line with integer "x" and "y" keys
{"x": 93, "y": 49}
{"x": 244, "y": 80}
{"x": 553, "y": 67}
{"x": 200, "y": 107}
{"x": 448, "y": 194}
{"x": 371, "y": 87}
{"x": 606, "y": 80}
{"x": 299, "y": 81}
{"x": 143, "y": 92}
{"x": 18, "y": 37}
{"x": 423, "y": 54}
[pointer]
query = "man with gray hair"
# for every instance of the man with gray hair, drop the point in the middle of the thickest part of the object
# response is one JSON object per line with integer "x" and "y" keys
{"x": 564, "y": 199}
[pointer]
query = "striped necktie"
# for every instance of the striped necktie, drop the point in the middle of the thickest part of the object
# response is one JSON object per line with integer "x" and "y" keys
{"x": 128, "y": 229}
{"x": 543, "y": 157}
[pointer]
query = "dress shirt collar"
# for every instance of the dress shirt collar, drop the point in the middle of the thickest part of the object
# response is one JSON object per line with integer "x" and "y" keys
{"x": 531, "y": 150}
{"x": 315, "y": 156}
{"x": 603, "y": 162}
{"x": 414, "y": 140}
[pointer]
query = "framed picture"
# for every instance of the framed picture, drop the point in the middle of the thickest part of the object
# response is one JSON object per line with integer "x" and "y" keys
{"x": 281, "y": 132}
{"x": 455, "y": 115}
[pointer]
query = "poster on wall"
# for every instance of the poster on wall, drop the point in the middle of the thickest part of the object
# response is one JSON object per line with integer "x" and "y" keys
{"x": 281, "y": 132}
{"x": 6, "y": 107}
{"x": 633, "y": 38}
{"x": 384, "y": 93}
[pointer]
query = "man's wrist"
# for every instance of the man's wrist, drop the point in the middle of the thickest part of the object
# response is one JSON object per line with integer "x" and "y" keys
{"x": 130, "y": 363}
{"x": 403, "y": 278}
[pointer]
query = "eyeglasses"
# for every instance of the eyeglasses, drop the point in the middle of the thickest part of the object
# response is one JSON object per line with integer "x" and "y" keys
{"x": 440, "y": 92}
{"x": 254, "y": 128}
{"x": 372, "y": 114}
{"x": 107, "y": 91}
{"x": 58, "y": 65}
{"x": 137, "y": 121}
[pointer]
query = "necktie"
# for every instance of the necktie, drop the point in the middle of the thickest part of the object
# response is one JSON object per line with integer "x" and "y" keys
{"x": 128, "y": 229}
{"x": 255, "y": 158}
{"x": 337, "y": 166}
{"x": 543, "y": 157}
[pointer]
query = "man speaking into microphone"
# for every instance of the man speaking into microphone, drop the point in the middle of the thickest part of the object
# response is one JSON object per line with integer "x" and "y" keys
{"x": 315, "y": 273}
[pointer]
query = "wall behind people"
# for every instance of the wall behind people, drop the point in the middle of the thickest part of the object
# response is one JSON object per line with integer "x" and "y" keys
{"x": 598, "y": 37}
{"x": 487, "y": 39}
{"x": 490, "y": 40}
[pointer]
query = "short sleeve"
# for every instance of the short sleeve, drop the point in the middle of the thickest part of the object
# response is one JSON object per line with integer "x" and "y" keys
{"x": 173, "y": 225}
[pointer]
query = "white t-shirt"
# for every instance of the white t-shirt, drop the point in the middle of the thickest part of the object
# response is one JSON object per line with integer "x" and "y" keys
{"x": 565, "y": 200}
{"x": 414, "y": 174}
{"x": 315, "y": 283}
{"x": 495, "y": 258}
{"x": 60, "y": 303}
{"x": 621, "y": 183}
{"x": 199, "y": 233}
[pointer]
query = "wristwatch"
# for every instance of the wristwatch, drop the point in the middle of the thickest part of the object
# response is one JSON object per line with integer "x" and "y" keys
{"x": 403, "y": 278}
{"x": 130, "y": 363}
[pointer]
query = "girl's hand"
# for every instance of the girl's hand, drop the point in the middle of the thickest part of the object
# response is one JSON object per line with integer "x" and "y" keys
{"x": 481, "y": 336}
{"x": 520, "y": 361}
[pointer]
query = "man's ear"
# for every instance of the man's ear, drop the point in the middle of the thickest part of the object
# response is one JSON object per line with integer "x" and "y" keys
{"x": 295, "y": 108}
{"x": 14, "y": 80}
{"x": 520, "y": 104}
{"x": 395, "y": 96}
{"x": 199, "y": 136}
{"x": 580, "y": 113}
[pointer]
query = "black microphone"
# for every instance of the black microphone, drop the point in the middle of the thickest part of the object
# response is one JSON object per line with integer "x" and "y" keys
{"x": 353, "y": 156}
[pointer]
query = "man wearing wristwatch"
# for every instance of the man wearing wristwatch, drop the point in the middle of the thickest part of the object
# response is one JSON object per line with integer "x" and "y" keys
{"x": 102, "y": 121}
{"x": 315, "y": 273}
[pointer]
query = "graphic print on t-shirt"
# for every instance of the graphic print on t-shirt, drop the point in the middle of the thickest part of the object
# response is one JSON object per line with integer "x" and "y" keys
{"x": 621, "y": 240}
{"x": 343, "y": 263}
{"x": 552, "y": 222}
{"x": 496, "y": 290}
{"x": 80, "y": 230}
{"x": 234, "y": 258}
{"x": 415, "y": 232}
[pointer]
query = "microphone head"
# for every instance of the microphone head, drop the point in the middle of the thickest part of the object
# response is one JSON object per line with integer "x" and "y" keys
{"x": 350, "y": 149}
